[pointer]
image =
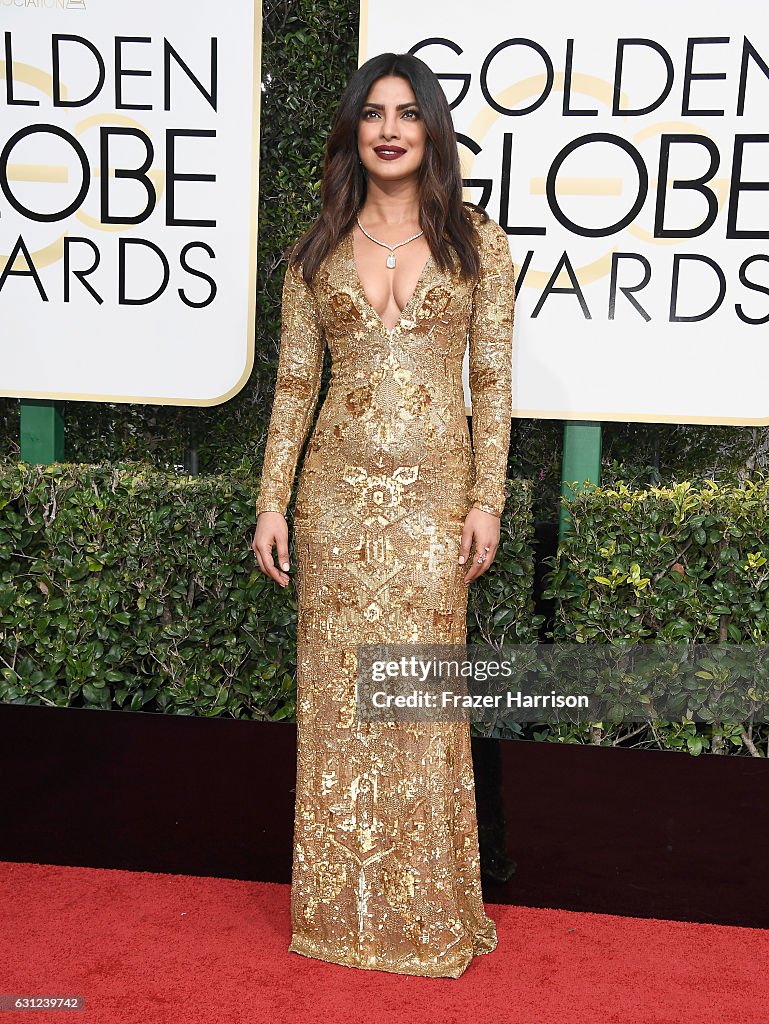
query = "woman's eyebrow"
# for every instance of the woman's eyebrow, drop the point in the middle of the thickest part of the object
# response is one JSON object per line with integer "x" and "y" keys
{"x": 401, "y": 106}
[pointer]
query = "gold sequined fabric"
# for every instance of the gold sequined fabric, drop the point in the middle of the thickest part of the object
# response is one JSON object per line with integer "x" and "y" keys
{"x": 386, "y": 871}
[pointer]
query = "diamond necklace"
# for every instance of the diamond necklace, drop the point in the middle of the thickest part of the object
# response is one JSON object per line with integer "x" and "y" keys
{"x": 392, "y": 248}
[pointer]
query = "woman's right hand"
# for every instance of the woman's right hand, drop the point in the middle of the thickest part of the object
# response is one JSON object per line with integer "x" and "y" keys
{"x": 271, "y": 532}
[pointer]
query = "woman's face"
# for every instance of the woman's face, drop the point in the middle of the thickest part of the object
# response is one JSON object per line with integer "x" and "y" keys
{"x": 391, "y": 141}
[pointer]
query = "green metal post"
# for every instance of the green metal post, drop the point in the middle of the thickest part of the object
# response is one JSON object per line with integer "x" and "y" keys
{"x": 42, "y": 432}
{"x": 581, "y": 462}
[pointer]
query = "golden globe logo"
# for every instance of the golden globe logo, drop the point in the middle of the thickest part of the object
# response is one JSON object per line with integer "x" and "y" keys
{"x": 94, "y": 163}
{"x": 664, "y": 154}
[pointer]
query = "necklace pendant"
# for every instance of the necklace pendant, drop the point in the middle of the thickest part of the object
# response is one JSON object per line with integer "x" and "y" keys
{"x": 391, "y": 260}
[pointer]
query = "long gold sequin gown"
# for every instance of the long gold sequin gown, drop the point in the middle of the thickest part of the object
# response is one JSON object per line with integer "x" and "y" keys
{"x": 386, "y": 871}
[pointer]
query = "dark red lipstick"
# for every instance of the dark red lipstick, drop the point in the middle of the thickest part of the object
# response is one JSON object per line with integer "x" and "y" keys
{"x": 389, "y": 152}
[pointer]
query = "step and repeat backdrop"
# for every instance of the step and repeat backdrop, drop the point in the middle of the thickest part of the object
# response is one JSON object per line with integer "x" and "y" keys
{"x": 128, "y": 199}
{"x": 624, "y": 149}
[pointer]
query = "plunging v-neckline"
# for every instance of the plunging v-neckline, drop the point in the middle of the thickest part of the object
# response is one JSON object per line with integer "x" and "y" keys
{"x": 362, "y": 291}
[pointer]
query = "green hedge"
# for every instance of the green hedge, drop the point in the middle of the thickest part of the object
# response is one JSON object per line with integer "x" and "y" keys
{"x": 125, "y": 587}
{"x": 664, "y": 564}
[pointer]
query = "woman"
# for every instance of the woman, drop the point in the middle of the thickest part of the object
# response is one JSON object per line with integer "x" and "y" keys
{"x": 392, "y": 500}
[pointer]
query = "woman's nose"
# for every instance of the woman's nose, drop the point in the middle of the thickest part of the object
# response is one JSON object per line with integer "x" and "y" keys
{"x": 390, "y": 125}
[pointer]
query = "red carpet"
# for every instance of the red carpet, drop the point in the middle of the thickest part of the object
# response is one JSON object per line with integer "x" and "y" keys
{"x": 154, "y": 948}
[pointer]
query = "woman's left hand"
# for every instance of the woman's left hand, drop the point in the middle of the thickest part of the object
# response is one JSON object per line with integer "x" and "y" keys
{"x": 481, "y": 531}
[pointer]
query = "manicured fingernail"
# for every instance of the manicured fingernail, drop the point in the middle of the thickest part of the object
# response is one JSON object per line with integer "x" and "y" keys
{"x": 285, "y": 565}
{"x": 461, "y": 559}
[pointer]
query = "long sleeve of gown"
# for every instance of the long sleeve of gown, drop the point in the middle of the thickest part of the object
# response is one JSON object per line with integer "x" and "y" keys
{"x": 297, "y": 386}
{"x": 490, "y": 369}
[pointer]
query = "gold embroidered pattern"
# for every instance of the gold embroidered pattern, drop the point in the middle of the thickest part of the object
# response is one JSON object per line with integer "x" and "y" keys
{"x": 386, "y": 871}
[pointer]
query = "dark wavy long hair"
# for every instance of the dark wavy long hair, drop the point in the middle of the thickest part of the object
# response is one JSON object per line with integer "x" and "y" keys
{"x": 443, "y": 215}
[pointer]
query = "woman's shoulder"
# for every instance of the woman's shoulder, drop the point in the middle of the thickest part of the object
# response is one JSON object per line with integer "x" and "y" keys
{"x": 309, "y": 240}
{"x": 493, "y": 242}
{"x": 488, "y": 229}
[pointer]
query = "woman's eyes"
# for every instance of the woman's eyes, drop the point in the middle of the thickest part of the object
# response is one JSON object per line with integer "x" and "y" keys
{"x": 415, "y": 113}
